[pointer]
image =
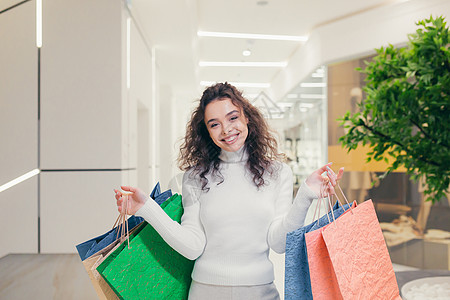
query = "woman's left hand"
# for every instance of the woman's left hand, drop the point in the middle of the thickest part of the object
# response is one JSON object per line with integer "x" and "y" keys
{"x": 316, "y": 181}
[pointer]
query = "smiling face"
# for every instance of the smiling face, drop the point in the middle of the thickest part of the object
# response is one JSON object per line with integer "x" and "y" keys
{"x": 226, "y": 124}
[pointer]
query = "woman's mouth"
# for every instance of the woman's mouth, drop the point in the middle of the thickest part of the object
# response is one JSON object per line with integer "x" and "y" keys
{"x": 231, "y": 139}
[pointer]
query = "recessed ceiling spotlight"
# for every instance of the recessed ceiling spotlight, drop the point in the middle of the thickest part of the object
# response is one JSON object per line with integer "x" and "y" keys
{"x": 246, "y": 52}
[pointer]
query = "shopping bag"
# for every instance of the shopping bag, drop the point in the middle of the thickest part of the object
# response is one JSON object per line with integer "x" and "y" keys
{"x": 322, "y": 277}
{"x": 103, "y": 290}
{"x": 158, "y": 196}
{"x": 359, "y": 255}
{"x": 88, "y": 248}
{"x": 149, "y": 268}
{"x": 297, "y": 276}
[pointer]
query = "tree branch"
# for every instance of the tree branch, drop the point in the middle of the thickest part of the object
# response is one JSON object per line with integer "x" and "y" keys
{"x": 427, "y": 135}
{"x": 421, "y": 158}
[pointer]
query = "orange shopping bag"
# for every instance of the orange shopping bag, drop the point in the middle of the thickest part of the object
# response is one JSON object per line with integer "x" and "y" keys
{"x": 359, "y": 255}
{"x": 324, "y": 284}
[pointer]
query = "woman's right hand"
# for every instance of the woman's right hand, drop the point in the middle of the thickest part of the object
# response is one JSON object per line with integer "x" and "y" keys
{"x": 136, "y": 199}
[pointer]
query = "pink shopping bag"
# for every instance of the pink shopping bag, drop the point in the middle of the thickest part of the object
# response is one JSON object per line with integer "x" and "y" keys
{"x": 359, "y": 255}
{"x": 324, "y": 284}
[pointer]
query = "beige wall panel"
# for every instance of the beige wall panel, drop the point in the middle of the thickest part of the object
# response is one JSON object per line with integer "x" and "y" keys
{"x": 19, "y": 218}
{"x": 129, "y": 177}
{"x": 18, "y": 92}
{"x": 141, "y": 68}
{"x": 81, "y": 84}
{"x": 75, "y": 207}
{"x": 140, "y": 108}
{"x": 143, "y": 148}
{"x": 18, "y": 128}
{"x": 8, "y": 4}
{"x": 168, "y": 151}
{"x": 124, "y": 114}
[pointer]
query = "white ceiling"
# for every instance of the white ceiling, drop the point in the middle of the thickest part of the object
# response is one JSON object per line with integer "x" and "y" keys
{"x": 171, "y": 26}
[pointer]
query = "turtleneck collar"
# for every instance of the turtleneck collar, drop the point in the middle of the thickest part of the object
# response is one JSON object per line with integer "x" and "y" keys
{"x": 234, "y": 157}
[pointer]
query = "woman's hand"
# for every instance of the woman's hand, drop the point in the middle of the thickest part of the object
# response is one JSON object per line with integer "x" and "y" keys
{"x": 136, "y": 199}
{"x": 316, "y": 181}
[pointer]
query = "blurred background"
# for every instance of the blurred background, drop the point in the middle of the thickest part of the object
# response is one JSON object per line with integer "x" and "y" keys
{"x": 97, "y": 94}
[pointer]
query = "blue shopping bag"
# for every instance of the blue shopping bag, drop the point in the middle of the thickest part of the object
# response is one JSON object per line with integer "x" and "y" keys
{"x": 158, "y": 196}
{"x": 92, "y": 246}
{"x": 297, "y": 283}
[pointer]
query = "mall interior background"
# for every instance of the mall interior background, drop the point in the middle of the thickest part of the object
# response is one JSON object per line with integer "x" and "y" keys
{"x": 89, "y": 111}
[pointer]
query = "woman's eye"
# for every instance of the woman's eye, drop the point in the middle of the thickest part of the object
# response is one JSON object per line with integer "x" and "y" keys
{"x": 214, "y": 125}
{"x": 233, "y": 118}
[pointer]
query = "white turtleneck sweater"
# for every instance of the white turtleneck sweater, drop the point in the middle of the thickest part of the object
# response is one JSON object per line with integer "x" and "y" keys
{"x": 228, "y": 230}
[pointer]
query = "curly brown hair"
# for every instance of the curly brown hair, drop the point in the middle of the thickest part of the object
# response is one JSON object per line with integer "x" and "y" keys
{"x": 198, "y": 150}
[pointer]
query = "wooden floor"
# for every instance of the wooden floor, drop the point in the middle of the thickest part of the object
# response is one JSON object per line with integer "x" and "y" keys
{"x": 44, "y": 276}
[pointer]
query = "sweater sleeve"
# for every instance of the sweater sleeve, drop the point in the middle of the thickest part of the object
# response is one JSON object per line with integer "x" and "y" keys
{"x": 289, "y": 215}
{"x": 187, "y": 238}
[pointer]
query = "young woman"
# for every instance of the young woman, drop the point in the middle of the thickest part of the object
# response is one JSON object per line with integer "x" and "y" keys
{"x": 237, "y": 199}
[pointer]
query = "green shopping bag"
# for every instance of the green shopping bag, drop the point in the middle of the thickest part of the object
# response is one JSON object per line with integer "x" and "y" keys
{"x": 149, "y": 268}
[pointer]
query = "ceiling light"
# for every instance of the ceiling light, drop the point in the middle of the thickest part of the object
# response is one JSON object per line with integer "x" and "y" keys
{"x": 313, "y": 84}
{"x": 253, "y": 36}
{"x": 283, "y": 105}
{"x": 239, "y": 84}
{"x": 247, "y": 52}
{"x": 312, "y": 96}
{"x": 306, "y": 105}
{"x": 277, "y": 64}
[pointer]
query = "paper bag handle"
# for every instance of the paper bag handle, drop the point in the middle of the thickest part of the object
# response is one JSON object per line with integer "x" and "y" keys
{"x": 324, "y": 194}
{"x": 122, "y": 221}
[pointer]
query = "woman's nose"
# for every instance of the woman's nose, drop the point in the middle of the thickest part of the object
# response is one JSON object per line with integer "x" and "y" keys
{"x": 226, "y": 128}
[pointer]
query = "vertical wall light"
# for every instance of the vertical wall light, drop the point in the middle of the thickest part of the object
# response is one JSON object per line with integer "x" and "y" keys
{"x": 39, "y": 23}
{"x": 128, "y": 71}
{"x": 128, "y": 53}
{"x": 153, "y": 114}
{"x": 37, "y": 171}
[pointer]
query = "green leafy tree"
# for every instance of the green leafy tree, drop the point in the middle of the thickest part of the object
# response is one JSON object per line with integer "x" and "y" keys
{"x": 406, "y": 114}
